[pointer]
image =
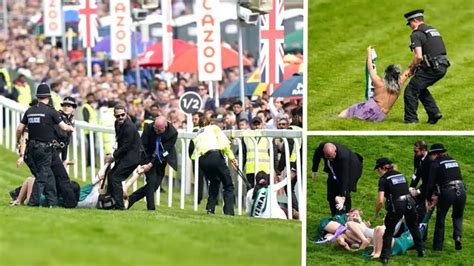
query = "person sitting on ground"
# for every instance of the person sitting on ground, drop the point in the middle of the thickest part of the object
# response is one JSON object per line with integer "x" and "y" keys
{"x": 386, "y": 93}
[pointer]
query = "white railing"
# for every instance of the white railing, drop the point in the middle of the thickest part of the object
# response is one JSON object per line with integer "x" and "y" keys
{"x": 10, "y": 116}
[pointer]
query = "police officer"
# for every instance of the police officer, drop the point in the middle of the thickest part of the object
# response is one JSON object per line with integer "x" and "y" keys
{"x": 40, "y": 120}
{"x": 431, "y": 64}
{"x": 68, "y": 106}
{"x": 448, "y": 188}
{"x": 421, "y": 164}
{"x": 393, "y": 187}
{"x": 210, "y": 147}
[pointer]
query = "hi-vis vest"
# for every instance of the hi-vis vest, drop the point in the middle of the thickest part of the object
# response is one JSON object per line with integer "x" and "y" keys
{"x": 24, "y": 94}
{"x": 295, "y": 149}
{"x": 92, "y": 115}
{"x": 56, "y": 100}
{"x": 107, "y": 119}
{"x": 8, "y": 82}
{"x": 263, "y": 156}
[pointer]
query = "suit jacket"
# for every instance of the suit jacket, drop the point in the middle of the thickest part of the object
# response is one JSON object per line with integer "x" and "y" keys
{"x": 128, "y": 143}
{"x": 347, "y": 167}
{"x": 167, "y": 149}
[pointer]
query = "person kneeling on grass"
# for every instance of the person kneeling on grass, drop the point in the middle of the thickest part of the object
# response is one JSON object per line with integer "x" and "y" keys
{"x": 258, "y": 198}
{"x": 386, "y": 93}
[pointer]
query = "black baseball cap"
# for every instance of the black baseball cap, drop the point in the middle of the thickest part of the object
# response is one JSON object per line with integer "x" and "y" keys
{"x": 413, "y": 14}
{"x": 256, "y": 120}
{"x": 381, "y": 162}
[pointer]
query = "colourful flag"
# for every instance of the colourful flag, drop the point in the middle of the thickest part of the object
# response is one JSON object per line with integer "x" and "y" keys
{"x": 369, "y": 85}
{"x": 167, "y": 38}
{"x": 272, "y": 39}
{"x": 88, "y": 23}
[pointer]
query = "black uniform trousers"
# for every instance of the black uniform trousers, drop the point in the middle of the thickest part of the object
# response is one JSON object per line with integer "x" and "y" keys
{"x": 333, "y": 188}
{"x": 402, "y": 208}
{"x": 117, "y": 174}
{"x": 153, "y": 181}
{"x": 201, "y": 182}
{"x": 39, "y": 161}
{"x": 420, "y": 214}
{"x": 450, "y": 196}
{"x": 418, "y": 89}
{"x": 214, "y": 166}
{"x": 63, "y": 183}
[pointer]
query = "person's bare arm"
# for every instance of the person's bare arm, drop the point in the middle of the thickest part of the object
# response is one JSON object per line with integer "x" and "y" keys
{"x": 404, "y": 76}
{"x": 378, "y": 206}
{"x": 378, "y": 82}
{"x": 417, "y": 58}
{"x": 19, "y": 131}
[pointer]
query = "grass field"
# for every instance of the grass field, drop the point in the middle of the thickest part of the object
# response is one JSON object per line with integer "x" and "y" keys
{"x": 399, "y": 149}
{"x": 168, "y": 236}
{"x": 339, "y": 33}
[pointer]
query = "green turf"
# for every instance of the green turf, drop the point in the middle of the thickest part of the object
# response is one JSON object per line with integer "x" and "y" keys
{"x": 339, "y": 33}
{"x": 168, "y": 236}
{"x": 400, "y": 150}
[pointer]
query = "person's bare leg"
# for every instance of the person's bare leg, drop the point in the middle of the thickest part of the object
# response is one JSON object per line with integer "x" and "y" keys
{"x": 343, "y": 114}
{"x": 341, "y": 241}
{"x": 331, "y": 227}
{"x": 357, "y": 231}
{"x": 25, "y": 191}
{"x": 378, "y": 241}
{"x": 352, "y": 237}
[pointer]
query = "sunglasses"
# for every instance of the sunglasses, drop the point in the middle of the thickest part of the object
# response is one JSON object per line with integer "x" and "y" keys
{"x": 282, "y": 124}
{"x": 120, "y": 115}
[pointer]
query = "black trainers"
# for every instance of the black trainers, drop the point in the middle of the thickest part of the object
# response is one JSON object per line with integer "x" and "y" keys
{"x": 434, "y": 119}
{"x": 210, "y": 212}
{"x": 411, "y": 122}
{"x": 421, "y": 253}
{"x": 457, "y": 245}
{"x": 384, "y": 261}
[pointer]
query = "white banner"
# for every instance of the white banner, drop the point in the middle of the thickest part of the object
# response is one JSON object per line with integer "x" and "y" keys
{"x": 52, "y": 18}
{"x": 167, "y": 37}
{"x": 120, "y": 30}
{"x": 209, "y": 40}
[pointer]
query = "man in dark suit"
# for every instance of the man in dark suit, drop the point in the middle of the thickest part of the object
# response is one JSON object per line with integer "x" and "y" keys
{"x": 127, "y": 156}
{"x": 344, "y": 168}
{"x": 159, "y": 140}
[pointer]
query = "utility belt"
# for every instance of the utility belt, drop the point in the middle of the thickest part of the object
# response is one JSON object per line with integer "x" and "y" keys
{"x": 435, "y": 62}
{"x": 58, "y": 145}
{"x": 411, "y": 203}
{"x": 39, "y": 143}
{"x": 455, "y": 184}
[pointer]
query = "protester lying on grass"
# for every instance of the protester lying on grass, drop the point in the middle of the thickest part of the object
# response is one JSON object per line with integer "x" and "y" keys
{"x": 347, "y": 230}
{"x": 386, "y": 93}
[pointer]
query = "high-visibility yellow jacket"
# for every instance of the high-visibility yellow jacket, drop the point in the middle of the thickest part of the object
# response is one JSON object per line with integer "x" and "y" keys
{"x": 263, "y": 147}
{"x": 92, "y": 115}
{"x": 212, "y": 138}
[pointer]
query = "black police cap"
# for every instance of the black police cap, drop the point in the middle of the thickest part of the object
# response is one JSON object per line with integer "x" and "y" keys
{"x": 381, "y": 162}
{"x": 437, "y": 148}
{"x": 43, "y": 90}
{"x": 69, "y": 101}
{"x": 414, "y": 14}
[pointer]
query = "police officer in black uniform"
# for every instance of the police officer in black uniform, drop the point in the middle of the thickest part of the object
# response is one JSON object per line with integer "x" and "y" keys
{"x": 40, "y": 120}
{"x": 431, "y": 64}
{"x": 393, "y": 187}
{"x": 69, "y": 106}
{"x": 448, "y": 187}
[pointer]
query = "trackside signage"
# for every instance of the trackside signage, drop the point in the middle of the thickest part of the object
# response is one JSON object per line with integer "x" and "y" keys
{"x": 52, "y": 18}
{"x": 120, "y": 30}
{"x": 208, "y": 40}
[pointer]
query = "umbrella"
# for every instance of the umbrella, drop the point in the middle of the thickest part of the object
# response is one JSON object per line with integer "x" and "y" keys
{"x": 292, "y": 87}
{"x": 187, "y": 60}
{"x": 105, "y": 43}
{"x": 233, "y": 89}
{"x": 294, "y": 41}
{"x": 153, "y": 56}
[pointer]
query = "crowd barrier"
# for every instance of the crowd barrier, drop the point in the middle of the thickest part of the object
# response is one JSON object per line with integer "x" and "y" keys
{"x": 11, "y": 113}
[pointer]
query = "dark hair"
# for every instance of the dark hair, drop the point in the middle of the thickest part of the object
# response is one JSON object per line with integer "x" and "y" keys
{"x": 421, "y": 144}
{"x": 392, "y": 79}
{"x": 262, "y": 180}
{"x": 204, "y": 121}
{"x": 76, "y": 189}
{"x": 119, "y": 107}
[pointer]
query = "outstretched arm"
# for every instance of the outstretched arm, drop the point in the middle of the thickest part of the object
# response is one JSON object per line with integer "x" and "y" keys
{"x": 378, "y": 82}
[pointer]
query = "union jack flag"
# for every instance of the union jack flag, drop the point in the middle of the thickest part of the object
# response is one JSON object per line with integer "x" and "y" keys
{"x": 88, "y": 23}
{"x": 272, "y": 37}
